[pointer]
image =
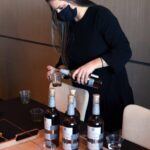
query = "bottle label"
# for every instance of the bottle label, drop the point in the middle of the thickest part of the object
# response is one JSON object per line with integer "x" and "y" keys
{"x": 47, "y": 123}
{"x": 94, "y": 76}
{"x": 95, "y": 138}
{"x": 90, "y": 82}
{"x": 51, "y": 130}
{"x": 50, "y": 136}
{"x": 70, "y": 140}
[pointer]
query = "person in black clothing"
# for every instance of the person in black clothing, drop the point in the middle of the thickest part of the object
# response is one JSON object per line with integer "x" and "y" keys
{"x": 93, "y": 42}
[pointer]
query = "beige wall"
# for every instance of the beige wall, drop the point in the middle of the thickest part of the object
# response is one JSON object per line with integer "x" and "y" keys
{"x": 22, "y": 64}
{"x": 29, "y": 19}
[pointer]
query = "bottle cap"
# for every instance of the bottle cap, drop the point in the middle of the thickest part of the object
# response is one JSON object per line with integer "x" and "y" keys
{"x": 96, "y": 98}
{"x": 73, "y": 92}
{"x": 52, "y": 92}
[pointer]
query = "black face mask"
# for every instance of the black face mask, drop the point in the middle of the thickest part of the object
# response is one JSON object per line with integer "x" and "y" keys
{"x": 67, "y": 14}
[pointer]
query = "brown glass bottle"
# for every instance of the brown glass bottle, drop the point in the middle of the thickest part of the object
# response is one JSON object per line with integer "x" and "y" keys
{"x": 95, "y": 127}
{"x": 70, "y": 128}
{"x": 51, "y": 122}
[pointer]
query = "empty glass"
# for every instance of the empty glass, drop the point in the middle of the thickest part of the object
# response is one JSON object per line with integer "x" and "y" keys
{"x": 56, "y": 78}
{"x": 24, "y": 96}
{"x": 114, "y": 141}
{"x": 37, "y": 114}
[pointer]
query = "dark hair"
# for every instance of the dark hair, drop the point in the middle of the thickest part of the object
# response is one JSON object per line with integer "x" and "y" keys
{"x": 79, "y": 2}
{"x": 62, "y": 28}
{"x": 83, "y": 2}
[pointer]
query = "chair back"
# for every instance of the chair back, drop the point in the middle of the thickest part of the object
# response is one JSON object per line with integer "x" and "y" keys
{"x": 136, "y": 125}
{"x": 61, "y": 98}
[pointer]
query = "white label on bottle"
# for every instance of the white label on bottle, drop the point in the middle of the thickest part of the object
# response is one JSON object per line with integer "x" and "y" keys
{"x": 70, "y": 140}
{"x": 47, "y": 124}
{"x": 95, "y": 138}
{"x": 67, "y": 133}
{"x": 51, "y": 136}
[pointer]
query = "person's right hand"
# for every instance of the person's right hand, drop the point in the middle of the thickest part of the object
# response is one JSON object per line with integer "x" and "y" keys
{"x": 50, "y": 69}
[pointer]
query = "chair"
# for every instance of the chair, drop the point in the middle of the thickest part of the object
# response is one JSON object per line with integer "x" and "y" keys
{"x": 61, "y": 98}
{"x": 136, "y": 125}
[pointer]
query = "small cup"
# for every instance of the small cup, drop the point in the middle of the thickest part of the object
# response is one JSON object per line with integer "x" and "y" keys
{"x": 37, "y": 114}
{"x": 56, "y": 79}
{"x": 25, "y": 96}
{"x": 114, "y": 141}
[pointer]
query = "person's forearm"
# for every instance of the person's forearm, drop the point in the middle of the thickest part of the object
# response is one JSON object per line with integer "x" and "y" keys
{"x": 99, "y": 63}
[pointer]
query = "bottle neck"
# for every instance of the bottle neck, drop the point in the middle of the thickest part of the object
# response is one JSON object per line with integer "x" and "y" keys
{"x": 52, "y": 102}
{"x": 71, "y": 110}
{"x": 75, "y": 102}
{"x": 96, "y": 109}
{"x": 65, "y": 72}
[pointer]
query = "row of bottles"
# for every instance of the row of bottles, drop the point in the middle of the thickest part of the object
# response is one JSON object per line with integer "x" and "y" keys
{"x": 70, "y": 125}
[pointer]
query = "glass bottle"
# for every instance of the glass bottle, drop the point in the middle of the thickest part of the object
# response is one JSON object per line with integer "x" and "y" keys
{"x": 95, "y": 127}
{"x": 51, "y": 122}
{"x": 70, "y": 128}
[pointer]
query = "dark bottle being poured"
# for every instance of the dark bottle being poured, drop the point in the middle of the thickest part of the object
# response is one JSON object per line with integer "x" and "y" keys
{"x": 93, "y": 81}
{"x": 95, "y": 127}
{"x": 51, "y": 122}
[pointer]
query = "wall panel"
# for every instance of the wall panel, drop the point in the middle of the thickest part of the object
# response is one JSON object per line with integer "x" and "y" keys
{"x": 140, "y": 82}
{"x": 23, "y": 66}
{"x": 27, "y": 19}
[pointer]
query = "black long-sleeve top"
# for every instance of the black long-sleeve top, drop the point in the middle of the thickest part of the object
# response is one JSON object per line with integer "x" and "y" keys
{"x": 98, "y": 34}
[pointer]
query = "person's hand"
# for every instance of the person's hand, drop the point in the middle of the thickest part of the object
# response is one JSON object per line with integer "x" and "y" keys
{"x": 50, "y": 69}
{"x": 82, "y": 73}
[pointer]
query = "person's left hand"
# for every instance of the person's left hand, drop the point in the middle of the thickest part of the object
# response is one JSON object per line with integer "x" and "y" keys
{"x": 82, "y": 73}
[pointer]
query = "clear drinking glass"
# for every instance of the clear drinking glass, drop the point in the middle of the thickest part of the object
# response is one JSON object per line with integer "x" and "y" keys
{"x": 56, "y": 78}
{"x": 114, "y": 141}
{"x": 24, "y": 96}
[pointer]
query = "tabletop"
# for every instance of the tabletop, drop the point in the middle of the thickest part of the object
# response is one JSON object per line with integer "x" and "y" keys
{"x": 38, "y": 144}
{"x": 21, "y": 117}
